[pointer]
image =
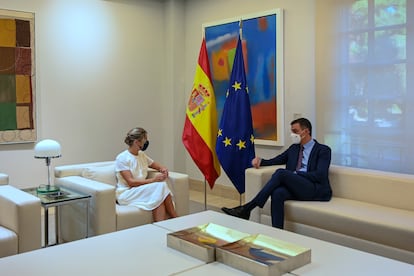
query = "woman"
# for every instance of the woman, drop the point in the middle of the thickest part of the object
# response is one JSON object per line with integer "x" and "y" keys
{"x": 133, "y": 187}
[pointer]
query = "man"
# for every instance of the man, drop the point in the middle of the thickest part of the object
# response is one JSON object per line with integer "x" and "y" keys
{"x": 305, "y": 177}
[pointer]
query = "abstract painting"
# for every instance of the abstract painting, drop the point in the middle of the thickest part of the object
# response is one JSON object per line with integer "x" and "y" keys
{"x": 17, "y": 82}
{"x": 262, "y": 43}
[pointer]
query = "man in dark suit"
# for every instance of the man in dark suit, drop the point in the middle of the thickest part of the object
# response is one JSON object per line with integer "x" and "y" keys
{"x": 305, "y": 177}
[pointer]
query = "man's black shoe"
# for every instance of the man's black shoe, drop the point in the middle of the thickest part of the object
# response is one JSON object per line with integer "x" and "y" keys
{"x": 239, "y": 212}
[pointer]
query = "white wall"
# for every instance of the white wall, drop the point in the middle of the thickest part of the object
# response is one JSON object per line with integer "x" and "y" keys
{"x": 104, "y": 67}
{"x": 299, "y": 33}
{"x": 175, "y": 104}
{"x": 99, "y": 72}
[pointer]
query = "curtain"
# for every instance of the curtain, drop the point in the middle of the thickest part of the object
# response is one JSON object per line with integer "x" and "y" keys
{"x": 364, "y": 82}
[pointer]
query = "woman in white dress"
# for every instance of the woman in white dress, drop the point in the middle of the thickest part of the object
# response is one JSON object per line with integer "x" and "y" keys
{"x": 133, "y": 187}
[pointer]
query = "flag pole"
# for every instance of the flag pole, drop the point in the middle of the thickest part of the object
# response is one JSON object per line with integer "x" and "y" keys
{"x": 241, "y": 37}
{"x": 241, "y": 28}
{"x": 205, "y": 182}
{"x": 205, "y": 194}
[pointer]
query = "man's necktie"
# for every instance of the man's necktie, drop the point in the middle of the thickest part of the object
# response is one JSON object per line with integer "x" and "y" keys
{"x": 299, "y": 165}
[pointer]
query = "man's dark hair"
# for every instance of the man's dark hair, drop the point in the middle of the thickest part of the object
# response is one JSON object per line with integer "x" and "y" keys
{"x": 304, "y": 123}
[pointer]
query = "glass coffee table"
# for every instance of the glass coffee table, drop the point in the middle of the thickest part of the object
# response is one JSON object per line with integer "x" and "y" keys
{"x": 55, "y": 200}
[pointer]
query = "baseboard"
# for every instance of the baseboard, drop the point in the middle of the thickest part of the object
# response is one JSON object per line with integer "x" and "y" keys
{"x": 218, "y": 190}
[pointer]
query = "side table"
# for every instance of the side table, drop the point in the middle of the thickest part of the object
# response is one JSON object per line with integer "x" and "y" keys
{"x": 55, "y": 200}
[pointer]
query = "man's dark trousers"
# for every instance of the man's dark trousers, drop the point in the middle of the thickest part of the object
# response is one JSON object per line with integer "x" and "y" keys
{"x": 284, "y": 185}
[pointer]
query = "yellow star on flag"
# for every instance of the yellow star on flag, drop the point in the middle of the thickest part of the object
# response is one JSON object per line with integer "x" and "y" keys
{"x": 220, "y": 132}
{"x": 241, "y": 144}
{"x": 236, "y": 85}
{"x": 252, "y": 138}
{"x": 227, "y": 142}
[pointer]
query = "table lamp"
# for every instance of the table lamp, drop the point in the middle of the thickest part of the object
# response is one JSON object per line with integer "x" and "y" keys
{"x": 47, "y": 149}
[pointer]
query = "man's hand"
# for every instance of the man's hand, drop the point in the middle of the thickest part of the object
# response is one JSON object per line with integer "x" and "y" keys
{"x": 256, "y": 162}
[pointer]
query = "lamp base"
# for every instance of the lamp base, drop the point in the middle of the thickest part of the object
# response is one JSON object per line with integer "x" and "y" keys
{"x": 45, "y": 189}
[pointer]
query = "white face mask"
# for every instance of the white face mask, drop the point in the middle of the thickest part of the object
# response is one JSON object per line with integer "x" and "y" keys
{"x": 295, "y": 138}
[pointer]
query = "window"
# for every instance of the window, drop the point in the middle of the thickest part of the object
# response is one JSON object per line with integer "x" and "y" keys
{"x": 370, "y": 100}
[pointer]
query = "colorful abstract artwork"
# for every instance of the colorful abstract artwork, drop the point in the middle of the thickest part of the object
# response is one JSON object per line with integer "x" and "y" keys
{"x": 262, "y": 43}
{"x": 17, "y": 89}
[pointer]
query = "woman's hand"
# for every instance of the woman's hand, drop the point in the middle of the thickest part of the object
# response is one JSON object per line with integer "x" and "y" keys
{"x": 157, "y": 166}
{"x": 160, "y": 177}
{"x": 164, "y": 171}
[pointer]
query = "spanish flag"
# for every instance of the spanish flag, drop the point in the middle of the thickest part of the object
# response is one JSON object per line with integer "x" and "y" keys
{"x": 200, "y": 127}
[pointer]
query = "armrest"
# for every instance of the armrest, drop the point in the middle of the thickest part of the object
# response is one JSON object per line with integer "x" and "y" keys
{"x": 102, "y": 214}
{"x": 20, "y": 212}
{"x": 179, "y": 186}
{"x": 4, "y": 179}
{"x": 255, "y": 180}
{"x": 77, "y": 169}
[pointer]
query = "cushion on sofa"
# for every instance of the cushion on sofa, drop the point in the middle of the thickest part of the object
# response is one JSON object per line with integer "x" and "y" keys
{"x": 384, "y": 225}
{"x": 389, "y": 189}
{"x": 8, "y": 242}
{"x": 130, "y": 216}
{"x": 104, "y": 174}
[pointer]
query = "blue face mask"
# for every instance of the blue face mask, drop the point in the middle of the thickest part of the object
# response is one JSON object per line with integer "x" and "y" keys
{"x": 145, "y": 146}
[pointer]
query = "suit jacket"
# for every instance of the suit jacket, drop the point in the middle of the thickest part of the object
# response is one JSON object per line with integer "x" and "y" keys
{"x": 317, "y": 167}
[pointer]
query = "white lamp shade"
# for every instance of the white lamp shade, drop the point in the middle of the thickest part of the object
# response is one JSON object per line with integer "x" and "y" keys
{"x": 47, "y": 149}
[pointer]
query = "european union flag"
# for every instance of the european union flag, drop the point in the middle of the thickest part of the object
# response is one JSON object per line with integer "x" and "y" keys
{"x": 235, "y": 140}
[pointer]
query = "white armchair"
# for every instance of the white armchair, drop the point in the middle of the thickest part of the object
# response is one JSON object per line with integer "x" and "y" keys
{"x": 98, "y": 180}
{"x": 20, "y": 221}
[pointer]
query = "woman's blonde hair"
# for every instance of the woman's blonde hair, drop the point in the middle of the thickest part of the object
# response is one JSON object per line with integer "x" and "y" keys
{"x": 137, "y": 133}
